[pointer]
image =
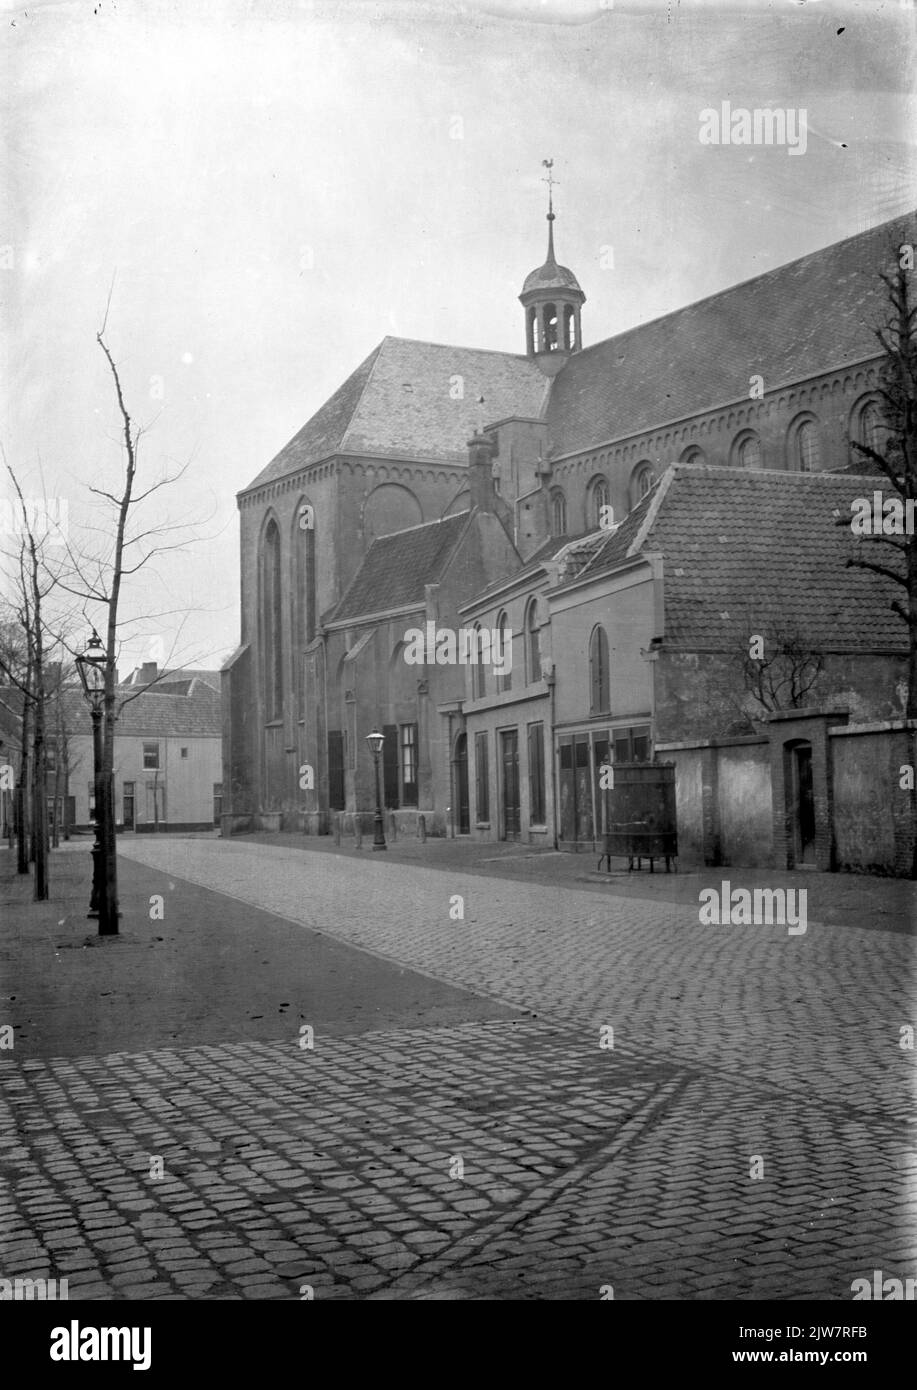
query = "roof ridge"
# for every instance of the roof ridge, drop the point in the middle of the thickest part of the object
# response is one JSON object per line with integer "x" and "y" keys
{"x": 456, "y": 347}
{"x": 374, "y": 357}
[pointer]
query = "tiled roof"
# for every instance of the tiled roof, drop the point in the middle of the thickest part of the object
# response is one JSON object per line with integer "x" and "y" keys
{"x": 795, "y": 321}
{"x": 396, "y": 568}
{"x": 153, "y": 714}
{"x": 740, "y": 544}
{"x": 576, "y": 554}
{"x": 403, "y": 400}
{"x": 211, "y": 678}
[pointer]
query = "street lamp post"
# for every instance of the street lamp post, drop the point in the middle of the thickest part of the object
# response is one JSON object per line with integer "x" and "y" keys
{"x": 91, "y": 666}
{"x": 375, "y": 741}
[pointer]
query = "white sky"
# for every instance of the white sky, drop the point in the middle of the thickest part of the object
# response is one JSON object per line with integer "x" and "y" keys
{"x": 203, "y": 153}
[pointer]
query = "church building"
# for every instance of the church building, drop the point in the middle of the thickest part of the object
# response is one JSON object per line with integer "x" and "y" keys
{"x": 436, "y": 478}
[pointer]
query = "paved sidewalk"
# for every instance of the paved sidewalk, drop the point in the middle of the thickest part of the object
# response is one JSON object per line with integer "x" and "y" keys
{"x": 457, "y": 1129}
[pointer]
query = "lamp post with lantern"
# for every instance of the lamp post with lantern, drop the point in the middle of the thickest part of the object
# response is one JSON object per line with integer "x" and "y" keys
{"x": 102, "y": 904}
{"x": 375, "y": 741}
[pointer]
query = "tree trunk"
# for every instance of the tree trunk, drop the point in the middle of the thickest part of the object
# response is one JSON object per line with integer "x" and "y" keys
{"x": 55, "y": 812}
{"x": 22, "y": 799}
{"x": 40, "y": 807}
{"x": 65, "y": 748}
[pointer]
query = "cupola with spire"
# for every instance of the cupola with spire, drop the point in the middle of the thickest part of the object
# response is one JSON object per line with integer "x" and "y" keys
{"x": 552, "y": 300}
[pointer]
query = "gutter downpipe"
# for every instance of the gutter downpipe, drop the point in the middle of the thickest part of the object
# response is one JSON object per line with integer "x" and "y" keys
{"x": 551, "y": 681}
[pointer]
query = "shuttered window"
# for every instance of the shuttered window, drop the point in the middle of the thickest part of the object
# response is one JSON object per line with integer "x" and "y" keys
{"x": 481, "y": 779}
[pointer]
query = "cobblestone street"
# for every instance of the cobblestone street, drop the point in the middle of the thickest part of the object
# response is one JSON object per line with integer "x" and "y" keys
{"x": 460, "y": 1126}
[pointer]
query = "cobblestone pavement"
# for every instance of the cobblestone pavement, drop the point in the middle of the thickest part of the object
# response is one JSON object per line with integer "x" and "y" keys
{"x": 509, "y": 1156}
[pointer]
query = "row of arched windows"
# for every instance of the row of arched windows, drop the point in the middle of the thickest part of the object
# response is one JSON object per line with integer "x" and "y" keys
{"x": 482, "y": 672}
{"x": 804, "y": 454}
{"x": 597, "y": 499}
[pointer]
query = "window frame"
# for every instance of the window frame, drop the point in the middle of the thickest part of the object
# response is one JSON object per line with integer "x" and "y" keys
{"x": 481, "y": 778}
{"x": 536, "y": 770}
{"x": 599, "y": 672}
{"x": 409, "y": 756}
{"x": 532, "y": 643}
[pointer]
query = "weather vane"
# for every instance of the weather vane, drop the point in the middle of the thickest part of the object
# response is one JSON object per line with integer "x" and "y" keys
{"x": 550, "y": 181}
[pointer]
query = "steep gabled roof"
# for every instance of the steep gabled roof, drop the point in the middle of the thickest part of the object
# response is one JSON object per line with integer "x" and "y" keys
{"x": 412, "y": 399}
{"x": 154, "y": 714}
{"x": 793, "y": 322}
{"x": 151, "y": 714}
{"x": 396, "y": 568}
{"x": 751, "y": 544}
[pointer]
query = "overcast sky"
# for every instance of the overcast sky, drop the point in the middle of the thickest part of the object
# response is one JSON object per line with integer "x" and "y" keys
{"x": 275, "y": 187}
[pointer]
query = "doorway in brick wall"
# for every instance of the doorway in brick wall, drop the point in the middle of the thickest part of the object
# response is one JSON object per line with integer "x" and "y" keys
{"x": 802, "y": 804}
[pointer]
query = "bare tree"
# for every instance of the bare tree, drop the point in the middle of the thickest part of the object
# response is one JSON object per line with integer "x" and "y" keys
{"x": 787, "y": 669}
{"x": 99, "y": 580}
{"x": 34, "y": 586}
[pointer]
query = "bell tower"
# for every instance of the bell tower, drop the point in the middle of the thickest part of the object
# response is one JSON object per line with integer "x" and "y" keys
{"x": 552, "y": 300}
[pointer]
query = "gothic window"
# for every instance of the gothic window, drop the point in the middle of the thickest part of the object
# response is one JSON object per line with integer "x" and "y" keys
{"x": 303, "y": 606}
{"x": 271, "y": 626}
{"x": 748, "y": 452}
{"x": 558, "y": 513}
{"x": 478, "y": 672}
{"x": 807, "y": 450}
{"x": 641, "y": 483}
{"x": 598, "y": 498}
{"x": 871, "y": 427}
{"x": 504, "y": 653}
{"x": 532, "y": 644}
{"x": 598, "y": 672}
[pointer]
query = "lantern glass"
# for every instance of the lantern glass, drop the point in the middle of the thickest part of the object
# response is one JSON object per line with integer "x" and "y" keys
{"x": 91, "y": 666}
{"x": 375, "y": 741}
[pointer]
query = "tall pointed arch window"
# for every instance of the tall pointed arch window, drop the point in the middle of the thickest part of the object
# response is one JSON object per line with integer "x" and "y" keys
{"x": 478, "y": 669}
{"x": 303, "y": 606}
{"x": 871, "y": 427}
{"x": 532, "y": 644}
{"x": 505, "y": 652}
{"x": 558, "y": 513}
{"x": 598, "y": 498}
{"x": 599, "y": 690}
{"x": 271, "y": 623}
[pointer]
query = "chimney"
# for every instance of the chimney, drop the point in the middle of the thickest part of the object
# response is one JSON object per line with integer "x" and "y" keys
{"x": 148, "y": 672}
{"x": 481, "y": 450}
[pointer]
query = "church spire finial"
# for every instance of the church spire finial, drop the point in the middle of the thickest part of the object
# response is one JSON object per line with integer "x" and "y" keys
{"x": 550, "y": 181}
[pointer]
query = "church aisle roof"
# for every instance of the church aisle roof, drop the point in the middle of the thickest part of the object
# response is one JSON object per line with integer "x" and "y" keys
{"x": 397, "y": 567}
{"x": 740, "y": 545}
{"x": 412, "y": 399}
{"x": 796, "y": 321}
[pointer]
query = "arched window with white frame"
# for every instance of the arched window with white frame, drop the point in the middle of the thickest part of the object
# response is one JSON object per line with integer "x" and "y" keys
{"x": 599, "y": 689}
{"x": 532, "y": 644}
